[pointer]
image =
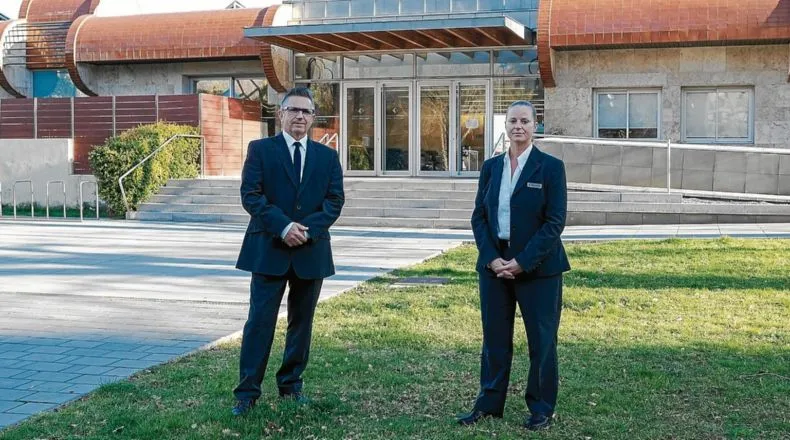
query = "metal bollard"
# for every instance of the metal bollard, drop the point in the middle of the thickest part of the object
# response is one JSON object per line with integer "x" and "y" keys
{"x": 95, "y": 184}
{"x": 32, "y": 202}
{"x": 63, "y": 184}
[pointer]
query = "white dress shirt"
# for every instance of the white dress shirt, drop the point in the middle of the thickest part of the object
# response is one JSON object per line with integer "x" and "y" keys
{"x": 506, "y": 190}
{"x": 290, "y": 141}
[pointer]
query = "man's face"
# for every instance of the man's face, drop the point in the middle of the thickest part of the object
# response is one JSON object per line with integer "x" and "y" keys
{"x": 296, "y": 116}
{"x": 520, "y": 124}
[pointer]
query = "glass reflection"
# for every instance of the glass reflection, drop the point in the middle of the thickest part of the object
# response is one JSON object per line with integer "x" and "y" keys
{"x": 395, "y": 129}
{"x": 360, "y": 128}
{"x": 472, "y": 127}
{"x": 434, "y": 128}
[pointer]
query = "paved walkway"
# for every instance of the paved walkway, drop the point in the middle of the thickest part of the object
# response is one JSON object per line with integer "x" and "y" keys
{"x": 87, "y": 304}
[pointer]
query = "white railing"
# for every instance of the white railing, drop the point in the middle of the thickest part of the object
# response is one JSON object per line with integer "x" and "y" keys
{"x": 145, "y": 159}
{"x": 668, "y": 145}
{"x": 328, "y": 138}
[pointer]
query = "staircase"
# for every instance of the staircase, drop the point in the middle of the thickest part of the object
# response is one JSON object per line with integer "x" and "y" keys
{"x": 448, "y": 203}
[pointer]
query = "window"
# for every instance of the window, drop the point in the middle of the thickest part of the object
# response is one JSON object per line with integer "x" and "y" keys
{"x": 250, "y": 88}
{"x": 212, "y": 86}
{"x": 386, "y": 7}
{"x": 718, "y": 115}
{"x": 53, "y": 84}
{"x": 627, "y": 114}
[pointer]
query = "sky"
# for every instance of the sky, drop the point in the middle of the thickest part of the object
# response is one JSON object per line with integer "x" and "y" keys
{"x": 130, "y": 7}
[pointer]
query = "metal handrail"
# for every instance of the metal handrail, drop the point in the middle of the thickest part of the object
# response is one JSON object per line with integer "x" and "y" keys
{"x": 328, "y": 138}
{"x": 660, "y": 143}
{"x": 32, "y": 201}
{"x": 120, "y": 179}
{"x": 668, "y": 144}
{"x": 63, "y": 184}
{"x": 502, "y": 140}
{"x": 332, "y": 138}
{"x": 96, "y": 184}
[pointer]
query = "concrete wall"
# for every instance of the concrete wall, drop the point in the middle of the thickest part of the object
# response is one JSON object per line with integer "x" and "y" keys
{"x": 161, "y": 79}
{"x": 698, "y": 170}
{"x": 51, "y": 161}
{"x": 569, "y": 106}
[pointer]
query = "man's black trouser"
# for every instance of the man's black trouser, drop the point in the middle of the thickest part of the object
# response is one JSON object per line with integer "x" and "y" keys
{"x": 266, "y": 294}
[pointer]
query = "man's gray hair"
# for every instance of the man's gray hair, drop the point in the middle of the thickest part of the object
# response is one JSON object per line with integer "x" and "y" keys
{"x": 524, "y": 104}
{"x": 304, "y": 92}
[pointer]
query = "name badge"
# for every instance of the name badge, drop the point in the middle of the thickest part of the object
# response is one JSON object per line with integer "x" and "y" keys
{"x": 534, "y": 185}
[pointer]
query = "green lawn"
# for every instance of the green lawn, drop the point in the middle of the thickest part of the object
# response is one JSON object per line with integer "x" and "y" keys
{"x": 659, "y": 340}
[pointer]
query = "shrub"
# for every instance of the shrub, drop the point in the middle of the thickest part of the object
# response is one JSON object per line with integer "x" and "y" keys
{"x": 179, "y": 159}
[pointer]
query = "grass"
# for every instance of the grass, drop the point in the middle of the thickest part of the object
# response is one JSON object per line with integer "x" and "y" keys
{"x": 659, "y": 340}
{"x": 56, "y": 211}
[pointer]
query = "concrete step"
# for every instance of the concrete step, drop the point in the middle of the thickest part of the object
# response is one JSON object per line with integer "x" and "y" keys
{"x": 423, "y": 213}
{"x": 383, "y": 184}
{"x": 410, "y": 194}
{"x": 188, "y": 217}
{"x": 357, "y": 202}
{"x": 205, "y": 183}
{"x": 402, "y": 222}
{"x": 200, "y": 199}
{"x": 194, "y": 208}
{"x": 199, "y": 191}
{"x": 629, "y": 197}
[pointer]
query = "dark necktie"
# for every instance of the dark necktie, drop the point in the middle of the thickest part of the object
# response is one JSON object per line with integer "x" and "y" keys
{"x": 298, "y": 161}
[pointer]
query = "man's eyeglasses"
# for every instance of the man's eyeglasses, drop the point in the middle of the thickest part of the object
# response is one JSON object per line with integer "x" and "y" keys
{"x": 293, "y": 111}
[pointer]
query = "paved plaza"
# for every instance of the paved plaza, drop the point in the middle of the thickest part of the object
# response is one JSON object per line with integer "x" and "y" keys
{"x": 82, "y": 304}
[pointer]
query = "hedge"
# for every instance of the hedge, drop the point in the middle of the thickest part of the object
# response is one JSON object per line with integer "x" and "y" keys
{"x": 179, "y": 160}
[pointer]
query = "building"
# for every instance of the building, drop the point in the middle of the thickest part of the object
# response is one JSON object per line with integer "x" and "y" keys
{"x": 412, "y": 88}
{"x": 420, "y": 87}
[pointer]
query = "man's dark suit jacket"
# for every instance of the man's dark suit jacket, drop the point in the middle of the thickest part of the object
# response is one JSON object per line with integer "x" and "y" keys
{"x": 272, "y": 197}
{"x": 538, "y": 207}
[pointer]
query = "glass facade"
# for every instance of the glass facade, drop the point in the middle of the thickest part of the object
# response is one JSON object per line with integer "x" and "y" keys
{"x": 417, "y": 112}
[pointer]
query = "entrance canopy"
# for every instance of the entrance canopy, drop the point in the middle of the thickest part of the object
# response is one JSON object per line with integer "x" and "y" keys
{"x": 450, "y": 33}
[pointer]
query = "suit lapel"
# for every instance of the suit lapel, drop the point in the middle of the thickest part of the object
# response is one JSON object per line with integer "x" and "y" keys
{"x": 533, "y": 164}
{"x": 309, "y": 165}
{"x": 285, "y": 157}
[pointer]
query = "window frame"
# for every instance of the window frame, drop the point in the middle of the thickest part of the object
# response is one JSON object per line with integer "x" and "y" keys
{"x": 716, "y": 140}
{"x": 628, "y": 92}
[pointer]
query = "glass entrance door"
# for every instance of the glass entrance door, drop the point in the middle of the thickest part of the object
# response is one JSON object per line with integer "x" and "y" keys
{"x": 434, "y": 132}
{"x": 472, "y": 124}
{"x": 395, "y": 129}
{"x": 359, "y": 133}
{"x": 376, "y": 138}
{"x": 453, "y": 123}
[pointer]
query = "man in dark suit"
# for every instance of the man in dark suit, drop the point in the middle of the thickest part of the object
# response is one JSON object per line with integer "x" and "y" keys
{"x": 292, "y": 187}
{"x": 517, "y": 221}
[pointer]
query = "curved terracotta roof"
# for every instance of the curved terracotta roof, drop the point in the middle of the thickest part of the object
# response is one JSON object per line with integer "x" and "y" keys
{"x": 201, "y": 35}
{"x": 37, "y": 11}
{"x": 267, "y": 54}
{"x": 4, "y": 83}
{"x": 600, "y": 24}
{"x": 71, "y": 65}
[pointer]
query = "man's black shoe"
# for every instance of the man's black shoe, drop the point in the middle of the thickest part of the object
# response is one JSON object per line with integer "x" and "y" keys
{"x": 297, "y": 397}
{"x": 538, "y": 421}
{"x": 475, "y": 416}
{"x": 243, "y": 406}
